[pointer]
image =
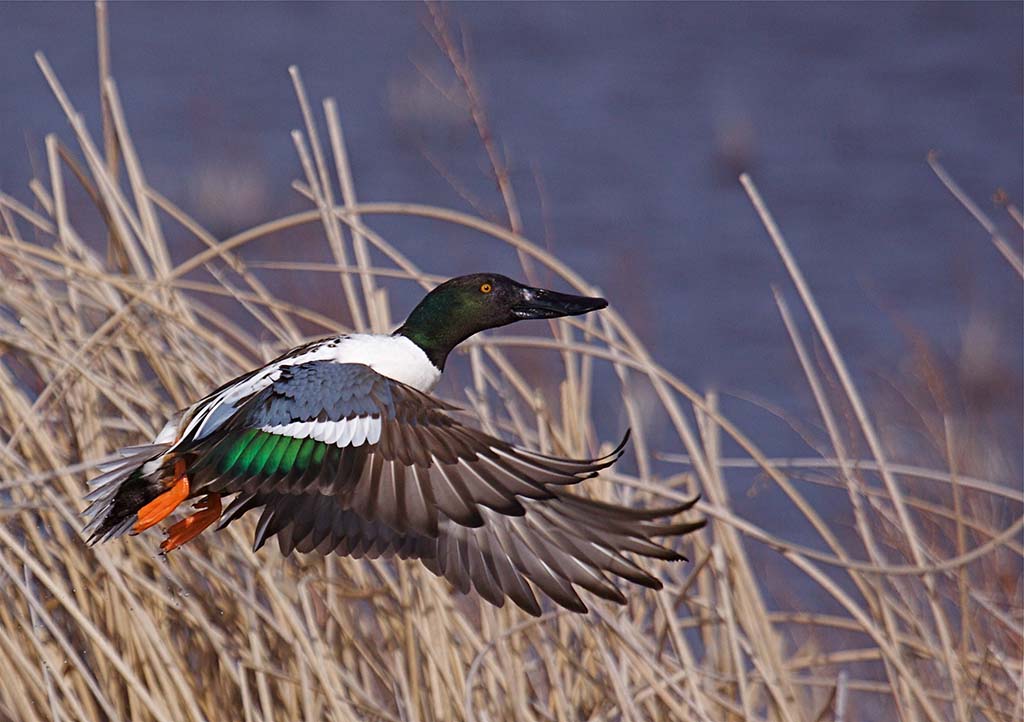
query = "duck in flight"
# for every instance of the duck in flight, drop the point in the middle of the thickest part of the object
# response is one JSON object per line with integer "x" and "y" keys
{"x": 340, "y": 445}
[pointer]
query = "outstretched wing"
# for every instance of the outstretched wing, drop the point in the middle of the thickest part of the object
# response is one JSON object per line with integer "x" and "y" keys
{"x": 556, "y": 544}
{"x": 343, "y": 459}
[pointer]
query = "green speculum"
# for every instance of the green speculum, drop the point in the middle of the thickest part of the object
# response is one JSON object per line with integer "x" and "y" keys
{"x": 259, "y": 452}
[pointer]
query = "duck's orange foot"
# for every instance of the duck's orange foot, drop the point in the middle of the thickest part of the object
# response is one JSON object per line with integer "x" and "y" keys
{"x": 192, "y": 526}
{"x": 162, "y": 506}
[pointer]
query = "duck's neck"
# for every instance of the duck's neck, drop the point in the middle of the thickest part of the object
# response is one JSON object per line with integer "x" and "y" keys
{"x": 435, "y": 343}
{"x": 438, "y": 326}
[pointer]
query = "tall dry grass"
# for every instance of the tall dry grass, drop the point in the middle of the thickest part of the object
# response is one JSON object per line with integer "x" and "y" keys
{"x": 908, "y": 609}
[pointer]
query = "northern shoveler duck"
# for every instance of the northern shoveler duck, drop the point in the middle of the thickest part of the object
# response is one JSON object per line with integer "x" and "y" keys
{"x": 341, "y": 446}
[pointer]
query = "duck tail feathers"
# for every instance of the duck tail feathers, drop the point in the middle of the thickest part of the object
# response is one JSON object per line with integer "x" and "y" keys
{"x": 125, "y": 485}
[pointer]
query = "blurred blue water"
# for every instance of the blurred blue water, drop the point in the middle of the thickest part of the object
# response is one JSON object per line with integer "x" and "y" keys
{"x": 637, "y": 120}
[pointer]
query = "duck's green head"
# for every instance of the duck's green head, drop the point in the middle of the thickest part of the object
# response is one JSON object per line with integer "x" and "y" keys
{"x": 465, "y": 305}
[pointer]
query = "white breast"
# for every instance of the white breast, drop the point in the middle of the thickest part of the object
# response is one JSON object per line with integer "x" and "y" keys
{"x": 396, "y": 357}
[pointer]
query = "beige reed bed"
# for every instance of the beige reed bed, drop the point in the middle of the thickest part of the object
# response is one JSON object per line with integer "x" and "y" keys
{"x": 916, "y": 606}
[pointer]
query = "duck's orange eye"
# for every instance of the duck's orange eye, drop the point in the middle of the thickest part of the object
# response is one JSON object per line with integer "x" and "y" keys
{"x": 485, "y": 288}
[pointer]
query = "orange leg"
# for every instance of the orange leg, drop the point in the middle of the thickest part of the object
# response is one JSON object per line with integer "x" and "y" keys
{"x": 162, "y": 506}
{"x": 192, "y": 526}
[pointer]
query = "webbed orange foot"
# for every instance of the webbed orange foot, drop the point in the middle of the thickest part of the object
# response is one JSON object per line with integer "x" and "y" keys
{"x": 193, "y": 525}
{"x": 162, "y": 506}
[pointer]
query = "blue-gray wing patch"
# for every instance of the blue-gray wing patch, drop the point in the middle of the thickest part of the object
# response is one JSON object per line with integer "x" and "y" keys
{"x": 321, "y": 391}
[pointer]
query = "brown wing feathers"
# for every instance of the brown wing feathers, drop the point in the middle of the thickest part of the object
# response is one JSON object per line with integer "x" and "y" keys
{"x": 555, "y": 544}
{"x": 474, "y": 509}
{"x": 499, "y": 559}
